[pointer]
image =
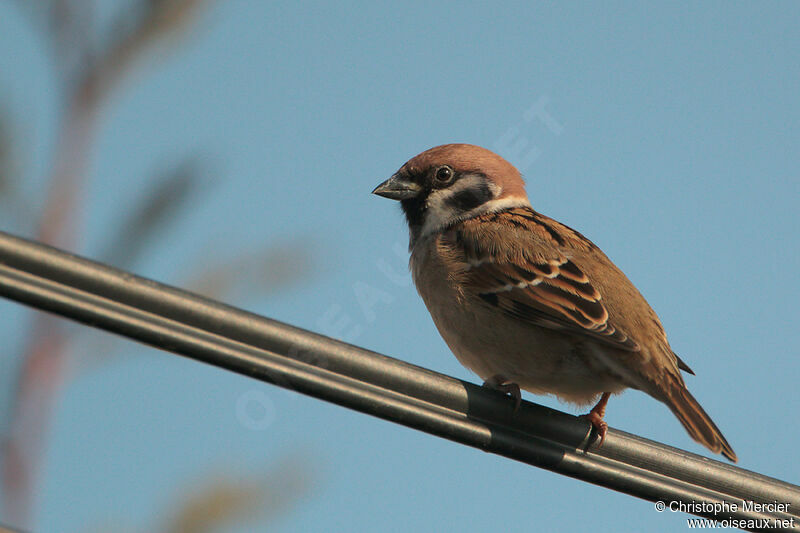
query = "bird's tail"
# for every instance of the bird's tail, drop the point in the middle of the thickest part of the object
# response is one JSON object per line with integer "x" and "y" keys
{"x": 696, "y": 421}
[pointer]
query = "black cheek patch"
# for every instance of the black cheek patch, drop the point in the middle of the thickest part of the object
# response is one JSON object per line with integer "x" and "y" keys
{"x": 470, "y": 198}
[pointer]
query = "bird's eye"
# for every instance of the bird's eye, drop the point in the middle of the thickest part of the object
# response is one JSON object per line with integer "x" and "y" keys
{"x": 444, "y": 174}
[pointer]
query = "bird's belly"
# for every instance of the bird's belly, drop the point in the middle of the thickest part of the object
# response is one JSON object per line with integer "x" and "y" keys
{"x": 539, "y": 360}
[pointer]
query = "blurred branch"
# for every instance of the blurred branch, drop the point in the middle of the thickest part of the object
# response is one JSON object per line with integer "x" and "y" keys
{"x": 157, "y": 19}
{"x": 5, "y": 528}
{"x": 36, "y": 389}
{"x": 100, "y": 73}
{"x": 224, "y": 501}
{"x": 266, "y": 269}
{"x": 69, "y": 27}
{"x": 7, "y": 156}
{"x": 16, "y": 208}
{"x": 87, "y": 78}
{"x": 154, "y": 212}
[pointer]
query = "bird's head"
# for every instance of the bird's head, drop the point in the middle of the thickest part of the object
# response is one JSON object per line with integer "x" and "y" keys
{"x": 450, "y": 183}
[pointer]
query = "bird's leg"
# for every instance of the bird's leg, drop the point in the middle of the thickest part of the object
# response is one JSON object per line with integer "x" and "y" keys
{"x": 500, "y": 383}
{"x": 595, "y": 416}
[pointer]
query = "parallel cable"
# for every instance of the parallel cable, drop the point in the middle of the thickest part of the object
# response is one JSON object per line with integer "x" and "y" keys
{"x": 212, "y": 332}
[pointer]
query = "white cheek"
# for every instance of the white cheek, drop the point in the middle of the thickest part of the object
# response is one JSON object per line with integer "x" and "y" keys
{"x": 439, "y": 213}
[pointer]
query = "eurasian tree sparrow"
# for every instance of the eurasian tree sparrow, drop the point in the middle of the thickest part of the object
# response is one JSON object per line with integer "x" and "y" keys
{"x": 527, "y": 302}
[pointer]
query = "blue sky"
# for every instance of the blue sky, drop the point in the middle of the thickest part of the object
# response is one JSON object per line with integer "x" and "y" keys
{"x": 671, "y": 140}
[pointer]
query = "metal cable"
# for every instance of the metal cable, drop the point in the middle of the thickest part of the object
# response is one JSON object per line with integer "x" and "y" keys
{"x": 208, "y": 331}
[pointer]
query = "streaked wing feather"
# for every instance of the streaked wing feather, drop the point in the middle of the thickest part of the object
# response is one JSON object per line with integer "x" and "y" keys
{"x": 554, "y": 294}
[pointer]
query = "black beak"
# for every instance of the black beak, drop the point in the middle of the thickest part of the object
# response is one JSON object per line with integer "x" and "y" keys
{"x": 397, "y": 188}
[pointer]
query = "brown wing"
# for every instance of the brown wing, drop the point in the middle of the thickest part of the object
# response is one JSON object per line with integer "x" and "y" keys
{"x": 541, "y": 286}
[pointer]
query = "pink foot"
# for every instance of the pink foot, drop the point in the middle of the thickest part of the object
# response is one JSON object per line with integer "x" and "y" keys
{"x": 598, "y": 424}
{"x": 595, "y": 416}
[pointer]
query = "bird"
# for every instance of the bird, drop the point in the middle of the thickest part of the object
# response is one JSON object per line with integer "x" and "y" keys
{"x": 528, "y": 303}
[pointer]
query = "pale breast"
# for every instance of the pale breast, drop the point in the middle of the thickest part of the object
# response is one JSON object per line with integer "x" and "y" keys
{"x": 539, "y": 360}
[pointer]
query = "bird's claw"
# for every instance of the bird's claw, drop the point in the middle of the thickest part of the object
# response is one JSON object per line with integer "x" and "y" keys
{"x": 595, "y": 417}
{"x": 598, "y": 425}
